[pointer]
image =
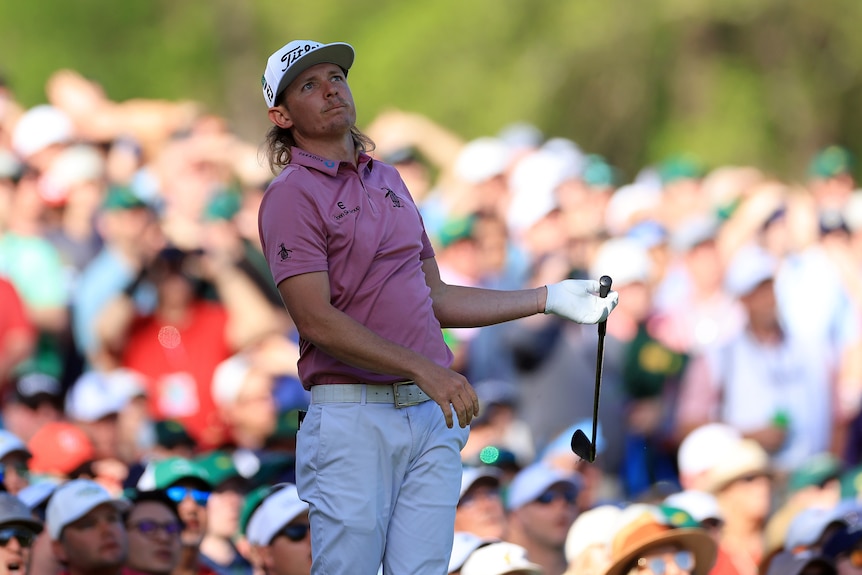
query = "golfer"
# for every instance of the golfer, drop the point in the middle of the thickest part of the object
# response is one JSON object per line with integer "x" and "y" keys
{"x": 377, "y": 462}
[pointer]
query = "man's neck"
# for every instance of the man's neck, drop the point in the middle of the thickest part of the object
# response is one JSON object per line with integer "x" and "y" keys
{"x": 342, "y": 149}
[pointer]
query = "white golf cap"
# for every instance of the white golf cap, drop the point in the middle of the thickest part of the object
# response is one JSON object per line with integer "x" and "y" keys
{"x": 73, "y": 500}
{"x": 699, "y": 504}
{"x": 292, "y": 59}
{"x": 500, "y": 559}
{"x": 470, "y": 475}
{"x": 11, "y": 443}
{"x": 463, "y": 545}
{"x": 277, "y": 510}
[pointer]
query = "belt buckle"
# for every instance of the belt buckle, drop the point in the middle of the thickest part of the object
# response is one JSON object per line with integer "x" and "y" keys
{"x": 403, "y": 396}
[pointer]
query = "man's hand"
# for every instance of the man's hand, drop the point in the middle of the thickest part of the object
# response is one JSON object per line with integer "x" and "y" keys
{"x": 449, "y": 389}
{"x": 579, "y": 301}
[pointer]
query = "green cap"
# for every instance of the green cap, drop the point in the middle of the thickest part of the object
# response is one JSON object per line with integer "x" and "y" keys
{"x": 454, "y": 230}
{"x": 171, "y": 434}
{"x": 122, "y": 198}
{"x": 223, "y": 206}
{"x": 287, "y": 424}
{"x": 851, "y": 483}
{"x": 814, "y": 471}
{"x": 252, "y": 501}
{"x": 598, "y": 173}
{"x": 648, "y": 364}
{"x": 682, "y": 167}
{"x": 831, "y": 162}
{"x": 168, "y": 472}
{"x": 676, "y": 517}
{"x": 219, "y": 467}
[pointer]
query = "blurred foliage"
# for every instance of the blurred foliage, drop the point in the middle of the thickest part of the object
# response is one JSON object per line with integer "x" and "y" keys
{"x": 763, "y": 82}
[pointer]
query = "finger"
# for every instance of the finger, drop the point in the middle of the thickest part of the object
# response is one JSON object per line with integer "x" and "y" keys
{"x": 462, "y": 411}
{"x": 447, "y": 413}
{"x": 474, "y": 399}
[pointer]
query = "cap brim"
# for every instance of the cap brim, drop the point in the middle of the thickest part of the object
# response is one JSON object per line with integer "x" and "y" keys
{"x": 337, "y": 53}
{"x": 699, "y": 542}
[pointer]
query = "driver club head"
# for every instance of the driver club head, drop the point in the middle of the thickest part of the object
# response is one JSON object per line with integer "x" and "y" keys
{"x": 583, "y": 447}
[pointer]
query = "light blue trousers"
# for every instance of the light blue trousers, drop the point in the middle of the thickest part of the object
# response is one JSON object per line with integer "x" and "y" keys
{"x": 382, "y": 485}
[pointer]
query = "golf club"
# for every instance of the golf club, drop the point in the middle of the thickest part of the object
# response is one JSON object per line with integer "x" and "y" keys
{"x": 581, "y": 446}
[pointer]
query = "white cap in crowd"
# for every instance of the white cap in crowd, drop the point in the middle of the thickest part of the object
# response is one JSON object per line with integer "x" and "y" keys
{"x": 40, "y": 127}
{"x": 701, "y": 449}
{"x": 470, "y": 475}
{"x": 11, "y": 443}
{"x": 277, "y": 510}
{"x": 228, "y": 379}
{"x": 463, "y": 544}
{"x": 535, "y": 479}
{"x": 500, "y": 558}
{"x": 73, "y": 500}
{"x": 595, "y": 526}
{"x": 699, "y": 504}
{"x": 92, "y": 397}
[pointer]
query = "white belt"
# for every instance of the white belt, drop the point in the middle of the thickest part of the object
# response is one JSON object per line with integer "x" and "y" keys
{"x": 402, "y": 394}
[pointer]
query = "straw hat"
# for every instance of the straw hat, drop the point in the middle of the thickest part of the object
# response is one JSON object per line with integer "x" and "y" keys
{"x": 646, "y": 532}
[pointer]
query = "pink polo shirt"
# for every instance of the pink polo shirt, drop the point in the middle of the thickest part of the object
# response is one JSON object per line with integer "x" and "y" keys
{"x": 362, "y": 227}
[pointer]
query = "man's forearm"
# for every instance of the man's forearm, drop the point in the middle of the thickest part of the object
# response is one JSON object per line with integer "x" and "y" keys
{"x": 459, "y": 306}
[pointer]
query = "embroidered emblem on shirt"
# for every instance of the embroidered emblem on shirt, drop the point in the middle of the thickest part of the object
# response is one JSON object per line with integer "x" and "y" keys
{"x": 283, "y": 252}
{"x": 396, "y": 201}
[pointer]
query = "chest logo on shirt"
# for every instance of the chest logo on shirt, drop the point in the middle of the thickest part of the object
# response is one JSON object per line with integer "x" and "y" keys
{"x": 283, "y": 252}
{"x": 344, "y": 211}
{"x": 393, "y": 197}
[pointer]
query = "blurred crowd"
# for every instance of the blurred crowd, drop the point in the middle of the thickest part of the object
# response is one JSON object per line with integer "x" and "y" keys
{"x": 148, "y": 390}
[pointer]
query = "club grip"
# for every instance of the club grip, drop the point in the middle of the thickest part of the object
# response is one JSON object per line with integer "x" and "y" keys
{"x": 604, "y": 285}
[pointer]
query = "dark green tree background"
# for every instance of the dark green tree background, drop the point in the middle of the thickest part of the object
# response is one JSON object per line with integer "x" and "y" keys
{"x": 763, "y": 82}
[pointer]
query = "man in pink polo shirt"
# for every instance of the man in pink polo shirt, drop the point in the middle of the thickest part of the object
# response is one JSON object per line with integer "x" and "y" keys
{"x": 377, "y": 463}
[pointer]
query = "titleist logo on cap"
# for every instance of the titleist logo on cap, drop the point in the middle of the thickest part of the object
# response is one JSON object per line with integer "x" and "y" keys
{"x": 295, "y": 54}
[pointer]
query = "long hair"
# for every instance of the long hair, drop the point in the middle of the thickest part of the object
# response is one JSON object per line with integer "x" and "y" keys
{"x": 279, "y": 141}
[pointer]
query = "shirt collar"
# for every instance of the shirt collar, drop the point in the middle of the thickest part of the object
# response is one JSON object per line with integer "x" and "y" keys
{"x": 328, "y": 167}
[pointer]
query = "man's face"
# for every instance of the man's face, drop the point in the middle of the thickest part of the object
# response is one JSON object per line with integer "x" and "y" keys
{"x": 15, "y": 474}
{"x": 224, "y": 507}
{"x": 154, "y": 538}
{"x": 480, "y": 510}
{"x": 191, "y": 502}
{"x": 15, "y": 544}
{"x": 547, "y": 519}
{"x": 290, "y": 552}
{"x": 318, "y": 104}
{"x": 97, "y": 541}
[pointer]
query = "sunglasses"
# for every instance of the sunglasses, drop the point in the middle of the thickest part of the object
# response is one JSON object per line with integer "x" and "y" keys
{"x": 20, "y": 468}
{"x": 684, "y": 561}
{"x": 296, "y": 532}
{"x": 177, "y": 494}
{"x": 150, "y": 528}
{"x": 25, "y": 538}
{"x": 569, "y": 495}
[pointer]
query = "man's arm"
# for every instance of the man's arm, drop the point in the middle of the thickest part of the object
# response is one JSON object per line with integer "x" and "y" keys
{"x": 459, "y": 306}
{"x": 307, "y": 299}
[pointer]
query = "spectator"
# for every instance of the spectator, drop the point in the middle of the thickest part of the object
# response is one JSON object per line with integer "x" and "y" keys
{"x": 463, "y": 546}
{"x": 811, "y": 527}
{"x": 188, "y": 485}
{"x": 61, "y": 451}
{"x": 86, "y": 528}
{"x": 480, "y": 506}
{"x": 741, "y": 481}
{"x": 14, "y": 473}
{"x": 218, "y": 546}
{"x": 154, "y": 527}
{"x": 33, "y": 400}
{"x": 18, "y": 531}
{"x": 787, "y": 376}
{"x": 588, "y": 541}
{"x": 243, "y": 396}
{"x": 542, "y": 505}
{"x": 844, "y": 548}
{"x": 94, "y": 405}
{"x": 785, "y": 563}
{"x": 131, "y": 238}
{"x": 648, "y": 546}
{"x": 500, "y": 558}
{"x": 279, "y": 532}
{"x": 172, "y": 440}
{"x": 17, "y": 335}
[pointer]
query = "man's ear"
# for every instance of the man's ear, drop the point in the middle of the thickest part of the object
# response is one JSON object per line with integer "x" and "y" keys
{"x": 59, "y": 552}
{"x": 279, "y": 116}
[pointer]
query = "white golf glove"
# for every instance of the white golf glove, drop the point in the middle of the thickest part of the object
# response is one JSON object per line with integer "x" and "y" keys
{"x": 579, "y": 301}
